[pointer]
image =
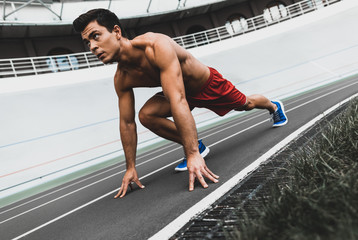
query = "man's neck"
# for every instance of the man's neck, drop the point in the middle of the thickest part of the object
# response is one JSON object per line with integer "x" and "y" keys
{"x": 129, "y": 56}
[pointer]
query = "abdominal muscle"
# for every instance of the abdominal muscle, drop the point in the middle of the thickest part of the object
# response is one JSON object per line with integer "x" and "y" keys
{"x": 194, "y": 77}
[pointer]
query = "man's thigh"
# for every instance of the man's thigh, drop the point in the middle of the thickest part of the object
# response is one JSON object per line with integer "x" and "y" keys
{"x": 158, "y": 105}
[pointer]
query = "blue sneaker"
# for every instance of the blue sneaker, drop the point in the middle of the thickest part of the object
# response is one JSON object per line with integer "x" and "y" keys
{"x": 203, "y": 152}
{"x": 279, "y": 117}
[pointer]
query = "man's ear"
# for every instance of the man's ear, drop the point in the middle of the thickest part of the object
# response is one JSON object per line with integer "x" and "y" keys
{"x": 118, "y": 31}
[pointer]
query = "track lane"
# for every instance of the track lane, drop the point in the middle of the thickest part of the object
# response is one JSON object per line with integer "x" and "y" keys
{"x": 166, "y": 191}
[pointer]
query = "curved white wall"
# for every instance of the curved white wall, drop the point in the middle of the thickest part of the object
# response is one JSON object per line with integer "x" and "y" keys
{"x": 69, "y": 10}
{"x": 52, "y": 122}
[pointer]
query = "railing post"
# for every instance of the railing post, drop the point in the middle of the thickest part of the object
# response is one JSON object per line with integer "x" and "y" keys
{"x": 33, "y": 65}
{"x": 217, "y": 31}
{"x": 301, "y": 9}
{"x": 61, "y": 10}
{"x": 182, "y": 42}
{"x": 288, "y": 12}
{"x": 253, "y": 23}
{"x": 196, "y": 44}
{"x": 87, "y": 60}
{"x": 150, "y": 2}
{"x": 69, "y": 60}
{"x": 3, "y": 10}
{"x": 13, "y": 67}
{"x": 314, "y": 4}
{"x": 207, "y": 38}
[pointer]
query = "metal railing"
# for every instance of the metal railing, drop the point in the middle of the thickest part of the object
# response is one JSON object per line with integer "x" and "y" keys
{"x": 252, "y": 24}
{"x": 17, "y": 67}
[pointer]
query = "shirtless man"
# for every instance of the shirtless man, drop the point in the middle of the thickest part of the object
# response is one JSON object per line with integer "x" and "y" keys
{"x": 152, "y": 60}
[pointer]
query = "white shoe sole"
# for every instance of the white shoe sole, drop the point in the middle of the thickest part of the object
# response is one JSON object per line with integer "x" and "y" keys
{"x": 181, "y": 169}
{"x": 203, "y": 154}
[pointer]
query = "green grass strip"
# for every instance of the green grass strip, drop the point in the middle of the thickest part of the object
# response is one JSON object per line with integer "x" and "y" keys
{"x": 318, "y": 198}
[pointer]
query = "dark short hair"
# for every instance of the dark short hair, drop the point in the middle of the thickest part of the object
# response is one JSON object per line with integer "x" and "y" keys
{"x": 104, "y": 18}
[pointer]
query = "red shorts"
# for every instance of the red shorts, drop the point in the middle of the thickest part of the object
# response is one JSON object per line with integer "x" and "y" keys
{"x": 218, "y": 95}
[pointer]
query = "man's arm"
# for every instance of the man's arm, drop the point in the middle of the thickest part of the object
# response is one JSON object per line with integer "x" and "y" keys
{"x": 173, "y": 87}
{"x": 128, "y": 133}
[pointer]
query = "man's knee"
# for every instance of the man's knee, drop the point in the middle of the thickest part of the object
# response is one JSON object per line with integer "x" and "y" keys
{"x": 247, "y": 106}
{"x": 145, "y": 117}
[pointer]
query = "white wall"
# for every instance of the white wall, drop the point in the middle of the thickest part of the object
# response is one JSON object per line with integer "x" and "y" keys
{"x": 54, "y": 121}
{"x": 37, "y": 14}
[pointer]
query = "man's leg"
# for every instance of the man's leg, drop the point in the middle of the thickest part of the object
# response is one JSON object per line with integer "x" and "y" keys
{"x": 275, "y": 108}
{"x": 153, "y": 116}
{"x": 260, "y": 102}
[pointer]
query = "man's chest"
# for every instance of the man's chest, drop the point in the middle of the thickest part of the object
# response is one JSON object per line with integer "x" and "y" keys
{"x": 143, "y": 77}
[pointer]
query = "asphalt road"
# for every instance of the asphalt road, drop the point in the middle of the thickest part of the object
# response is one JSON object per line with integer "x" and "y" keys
{"x": 85, "y": 208}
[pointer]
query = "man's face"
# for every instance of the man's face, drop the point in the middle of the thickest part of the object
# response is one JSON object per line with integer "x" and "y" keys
{"x": 101, "y": 42}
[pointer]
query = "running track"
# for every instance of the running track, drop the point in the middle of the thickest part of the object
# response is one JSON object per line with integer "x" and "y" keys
{"x": 85, "y": 208}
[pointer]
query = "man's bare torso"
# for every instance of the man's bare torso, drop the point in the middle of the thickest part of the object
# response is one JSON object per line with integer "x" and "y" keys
{"x": 140, "y": 69}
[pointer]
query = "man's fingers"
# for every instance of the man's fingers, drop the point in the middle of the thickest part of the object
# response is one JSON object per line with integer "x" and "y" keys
{"x": 205, "y": 172}
{"x": 208, "y": 174}
{"x": 191, "y": 181}
{"x": 124, "y": 191}
{"x": 119, "y": 192}
{"x": 201, "y": 179}
{"x": 139, "y": 183}
{"x": 211, "y": 173}
{"x": 211, "y": 178}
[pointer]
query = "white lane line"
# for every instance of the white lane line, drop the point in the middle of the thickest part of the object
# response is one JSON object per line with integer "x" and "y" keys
{"x": 82, "y": 206}
{"x": 86, "y": 186}
{"x": 93, "y": 201}
{"x": 321, "y": 96}
{"x": 83, "y": 180}
{"x": 325, "y": 69}
{"x": 105, "y": 195}
{"x": 142, "y": 156}
{"x": 206, "y": 202}
{"x": 142, "y": 163}
{"x": 147, "y": 161}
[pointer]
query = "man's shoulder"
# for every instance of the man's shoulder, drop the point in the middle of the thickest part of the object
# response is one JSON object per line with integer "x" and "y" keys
{"x": 121, "y": 80}
{"x": 119, "y": 75}
{"x": 148, "y": 39}
{"x": 149, "y": 36}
